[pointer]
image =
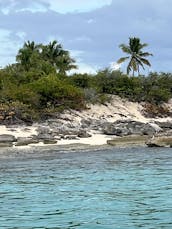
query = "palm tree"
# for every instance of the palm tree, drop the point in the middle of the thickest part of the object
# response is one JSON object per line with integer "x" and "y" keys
{"x": 58, "y": 57}
{"x": 51, "y": 51}
{"x": 31, "y": 46}
{"x": 135, "y": 56}
{"x": 25, "y": 54}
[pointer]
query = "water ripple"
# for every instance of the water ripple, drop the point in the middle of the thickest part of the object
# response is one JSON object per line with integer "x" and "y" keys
{"x": 112, "y": 188}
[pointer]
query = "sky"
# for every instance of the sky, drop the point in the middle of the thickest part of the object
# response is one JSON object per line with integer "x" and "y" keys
{"x": 91, "y": 30}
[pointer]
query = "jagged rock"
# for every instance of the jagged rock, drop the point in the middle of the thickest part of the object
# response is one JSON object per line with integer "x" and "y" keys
{"x": 66, "y": 131}
{"x": 83, "y": 134}
{"x": 164, "y": 125}
{"x": 71, "y": 137}
{"x": 21, "y": 141}
{"x": 49, "y": 141}
{"x": 148, "y": 129}
{"x": 111, "y": 129}
{"x": 46, "y": 138}
{"x": 128, "y": 127}
{"x": 160, "y": 142}
{"x": 44, "y": 130}
{"x": 157, "y": 128}
{"x": 85, "y": 123}
{"x": 7, "y": 138}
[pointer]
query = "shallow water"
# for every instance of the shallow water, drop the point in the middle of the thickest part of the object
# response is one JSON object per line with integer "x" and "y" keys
{"x": 86, "y": 189}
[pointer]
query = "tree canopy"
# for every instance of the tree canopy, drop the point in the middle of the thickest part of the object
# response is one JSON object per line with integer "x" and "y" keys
{"x": 52, "y": 54}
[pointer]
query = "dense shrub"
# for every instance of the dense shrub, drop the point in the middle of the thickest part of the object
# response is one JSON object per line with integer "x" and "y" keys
{"x": 155, "y": 88}
{"x": 81, "y": 80}
{"x": 54, "y": 92}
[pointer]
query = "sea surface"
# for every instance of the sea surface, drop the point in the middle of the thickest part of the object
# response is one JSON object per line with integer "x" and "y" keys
{"x": 86, "y": 188}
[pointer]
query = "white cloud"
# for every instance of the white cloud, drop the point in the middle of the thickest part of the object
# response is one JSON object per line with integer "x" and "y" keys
{"x": 61, "y": 6}
{"x": 66, "y": 6}
{"x": 19, "y": 6}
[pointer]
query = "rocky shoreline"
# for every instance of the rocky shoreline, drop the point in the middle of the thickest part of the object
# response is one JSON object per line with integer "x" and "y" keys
{"x": 121, "y": 132}
{"x": 119, "y": 120}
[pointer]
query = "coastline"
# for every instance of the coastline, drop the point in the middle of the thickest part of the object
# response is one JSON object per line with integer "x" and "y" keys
{"x": 98, "y": 125}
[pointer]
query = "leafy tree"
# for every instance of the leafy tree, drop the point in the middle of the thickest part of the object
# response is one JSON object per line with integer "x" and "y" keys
{"x": 135, "y": 56}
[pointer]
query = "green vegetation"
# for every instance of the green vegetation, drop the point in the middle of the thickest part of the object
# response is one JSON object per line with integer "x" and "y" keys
{"x": 135, "y": 55}
{"x": 37, "y": 85}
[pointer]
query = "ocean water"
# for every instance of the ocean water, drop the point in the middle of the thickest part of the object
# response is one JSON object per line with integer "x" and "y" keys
{"x": 86, "y": 188}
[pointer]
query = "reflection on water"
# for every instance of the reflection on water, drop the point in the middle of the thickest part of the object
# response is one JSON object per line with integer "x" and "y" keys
{"x": 105, "y": 188}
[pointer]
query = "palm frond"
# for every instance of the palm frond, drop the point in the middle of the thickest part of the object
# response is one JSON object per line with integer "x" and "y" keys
{"x": 125, "y": 48}
{"x": 141, "y": 46}
{"x": 139, "y": 62}
{"x": 144, "y": 54}
{"x": 121, "y": 60}
{"x": 146, "y": 62}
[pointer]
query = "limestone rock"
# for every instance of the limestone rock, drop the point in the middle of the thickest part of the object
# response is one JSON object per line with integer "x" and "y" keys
{"x": 6, "y": 138}
{"x": 21, "y": 141}
{"x": 160, "y": 142}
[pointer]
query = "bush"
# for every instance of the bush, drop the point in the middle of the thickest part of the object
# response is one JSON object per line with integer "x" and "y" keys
{"x": 81, "y": 80}
{"x": 54, "y": 92}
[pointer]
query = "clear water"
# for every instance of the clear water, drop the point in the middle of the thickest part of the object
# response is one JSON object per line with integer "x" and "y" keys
{"x": 86, "y": 189}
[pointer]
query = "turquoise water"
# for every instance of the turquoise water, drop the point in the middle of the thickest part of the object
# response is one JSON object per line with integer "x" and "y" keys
{"x": 86, "y": 189}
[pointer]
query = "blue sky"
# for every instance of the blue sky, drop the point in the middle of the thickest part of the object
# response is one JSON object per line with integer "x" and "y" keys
{"x": 91, "y": 29}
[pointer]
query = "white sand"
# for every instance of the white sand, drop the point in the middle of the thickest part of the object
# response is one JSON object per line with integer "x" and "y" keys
{"x": 20, "y": 131}
{"x": 96, "y": 139}
{"x": 117, "y": 109}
